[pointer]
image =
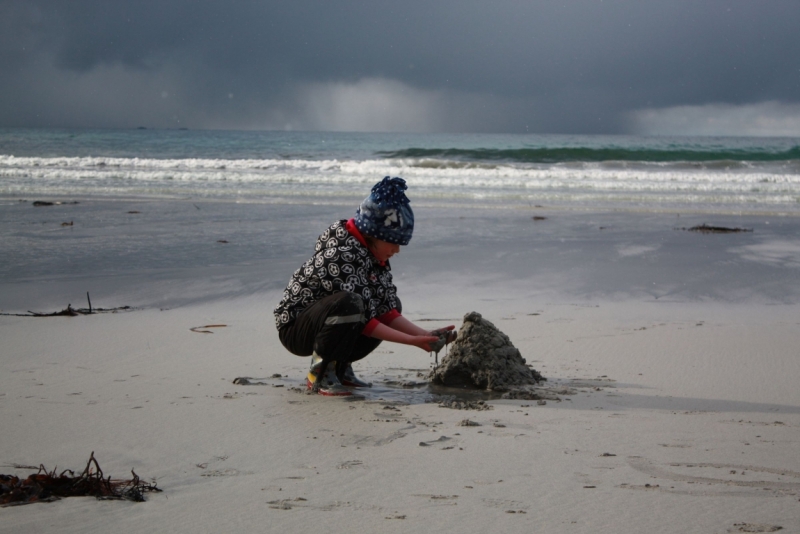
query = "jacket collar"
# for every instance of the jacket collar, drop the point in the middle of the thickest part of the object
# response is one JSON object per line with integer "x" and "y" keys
{"x": 351, "y": 227}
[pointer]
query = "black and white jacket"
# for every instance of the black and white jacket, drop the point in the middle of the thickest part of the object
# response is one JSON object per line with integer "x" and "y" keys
{"x": 340, "y": 263}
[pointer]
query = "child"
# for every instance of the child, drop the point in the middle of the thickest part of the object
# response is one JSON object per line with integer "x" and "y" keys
{"x": 341, "y": 303}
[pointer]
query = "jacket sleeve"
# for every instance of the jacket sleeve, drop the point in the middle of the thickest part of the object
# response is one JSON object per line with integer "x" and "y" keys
{"x": 386, "y": 319}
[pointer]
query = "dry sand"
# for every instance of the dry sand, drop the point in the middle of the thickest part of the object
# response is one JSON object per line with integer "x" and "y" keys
{"x": 684, "y": 417}
{"x": 684, "y": 420}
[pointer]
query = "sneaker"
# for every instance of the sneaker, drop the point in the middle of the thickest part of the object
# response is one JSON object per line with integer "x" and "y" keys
{"x": 324, "y": 381}
{"x": 350, "y": 379}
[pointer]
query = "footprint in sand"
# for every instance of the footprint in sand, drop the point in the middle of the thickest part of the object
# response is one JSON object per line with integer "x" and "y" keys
{"x": 510, "y": 506}
{"x": 349, "y": 464}
{"x": 731, "y": 475}
{"x": 223, "y": 473}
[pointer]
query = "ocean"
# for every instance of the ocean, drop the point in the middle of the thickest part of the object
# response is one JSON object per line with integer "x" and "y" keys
{"x": 728, "y": 175}
{"x": 169, "y": 218}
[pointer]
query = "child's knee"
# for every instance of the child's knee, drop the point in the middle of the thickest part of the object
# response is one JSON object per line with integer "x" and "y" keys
{"x": 351, "y": 304}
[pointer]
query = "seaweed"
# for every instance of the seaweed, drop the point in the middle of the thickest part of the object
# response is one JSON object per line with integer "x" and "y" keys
{"x": 48, "y": 486}
{"x": 69, "y": 311}
{"x": 41, "y": 203}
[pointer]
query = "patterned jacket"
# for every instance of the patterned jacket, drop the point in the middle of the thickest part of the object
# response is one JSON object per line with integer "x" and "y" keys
{"x": 340, "y": 263}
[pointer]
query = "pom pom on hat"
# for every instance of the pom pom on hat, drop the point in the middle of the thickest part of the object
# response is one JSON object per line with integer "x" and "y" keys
{"x": 386, "y": 214}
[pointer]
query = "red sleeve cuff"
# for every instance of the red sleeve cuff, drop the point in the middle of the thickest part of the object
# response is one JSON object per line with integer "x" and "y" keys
{"x": 389, "y": 316}
{"x": 370, "y": 327}
{"x": 386, "y": 319}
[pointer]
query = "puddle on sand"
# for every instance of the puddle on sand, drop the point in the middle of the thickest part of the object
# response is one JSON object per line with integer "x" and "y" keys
{"x": 399, "y": 386}
{"x": 392, "y": 385}
{"x": 396, "y": 385}
{"x": 409, "y": 386}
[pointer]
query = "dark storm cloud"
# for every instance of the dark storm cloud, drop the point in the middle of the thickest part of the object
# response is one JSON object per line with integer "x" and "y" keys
{"x": 577, "y": 66}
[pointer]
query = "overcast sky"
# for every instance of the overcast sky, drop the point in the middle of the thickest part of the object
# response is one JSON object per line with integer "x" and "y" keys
{"x": 692, "y": 67}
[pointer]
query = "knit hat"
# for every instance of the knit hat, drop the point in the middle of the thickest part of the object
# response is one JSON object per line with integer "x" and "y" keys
{"x": 385, "y": 214}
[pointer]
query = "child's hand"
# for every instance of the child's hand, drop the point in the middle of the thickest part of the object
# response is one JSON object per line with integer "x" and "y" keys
{"x": 448, "y": 332}
{"x": 425, "y": 342}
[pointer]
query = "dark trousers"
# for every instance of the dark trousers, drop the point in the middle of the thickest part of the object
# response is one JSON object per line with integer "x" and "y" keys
{"x": 331, "y": 328}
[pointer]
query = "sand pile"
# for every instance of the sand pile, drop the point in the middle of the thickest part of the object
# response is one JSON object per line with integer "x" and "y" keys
{"x": 483, "y": 357}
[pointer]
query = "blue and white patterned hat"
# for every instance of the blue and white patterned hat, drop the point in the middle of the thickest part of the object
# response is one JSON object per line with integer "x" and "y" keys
{"x": 386, "y": 214}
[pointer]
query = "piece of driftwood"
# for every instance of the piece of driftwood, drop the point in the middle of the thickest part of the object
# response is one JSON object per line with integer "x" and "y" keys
{"x": 706, "y": 229}
{"x": 201, "y": 329}
{"x": 69, "y": 311}
{"x": 47, "y": 486}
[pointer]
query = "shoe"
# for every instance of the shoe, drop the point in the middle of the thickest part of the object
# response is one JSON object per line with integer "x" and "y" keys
{"x": 324, "y": 381}
{"x": 350, "y": 379}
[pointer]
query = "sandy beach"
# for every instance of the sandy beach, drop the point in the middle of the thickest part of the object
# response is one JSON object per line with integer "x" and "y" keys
{"x": 671, "y": 362}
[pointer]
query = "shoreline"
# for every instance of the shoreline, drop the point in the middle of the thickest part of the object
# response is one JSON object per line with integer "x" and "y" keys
{"x": 347, "y": 200}
{"x": 189, "y": 251}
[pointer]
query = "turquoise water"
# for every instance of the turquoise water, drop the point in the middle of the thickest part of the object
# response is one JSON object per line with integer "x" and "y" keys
{"x": 720, "y": 174}
{"x": 643, "y": 154}
{"x": 167, "y": 144}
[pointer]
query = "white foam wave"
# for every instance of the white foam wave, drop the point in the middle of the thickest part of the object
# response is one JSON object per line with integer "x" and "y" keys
{"x": 306, "y": 177}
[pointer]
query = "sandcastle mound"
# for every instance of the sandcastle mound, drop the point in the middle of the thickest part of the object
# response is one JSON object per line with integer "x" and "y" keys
{"x": 483, "y": 357}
